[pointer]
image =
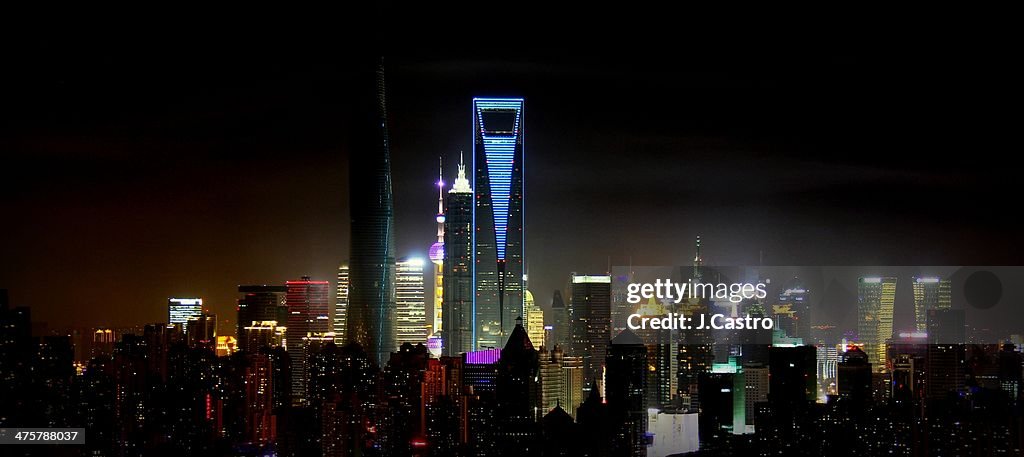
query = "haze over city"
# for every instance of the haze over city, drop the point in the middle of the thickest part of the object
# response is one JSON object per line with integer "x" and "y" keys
{"x": 188, "y": 169}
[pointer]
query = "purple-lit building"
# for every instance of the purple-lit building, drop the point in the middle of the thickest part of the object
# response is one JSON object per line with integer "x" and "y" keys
{"x": 486, "y": 356}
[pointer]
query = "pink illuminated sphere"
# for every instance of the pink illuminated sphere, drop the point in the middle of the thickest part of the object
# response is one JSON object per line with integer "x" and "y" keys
{"x": 437, "y": 252}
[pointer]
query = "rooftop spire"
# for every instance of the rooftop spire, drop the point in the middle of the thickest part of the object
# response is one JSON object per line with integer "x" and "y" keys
{"x": 461, "y": 183}
{"x": 440, "y": 201}
{"x": 696, "y": 258}
{"x": 440, "y": 183}
{"x": 698, "y": 261}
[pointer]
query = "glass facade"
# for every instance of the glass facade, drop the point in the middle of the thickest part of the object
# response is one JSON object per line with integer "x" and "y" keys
{"x": 457, "y": 318}
{"x": 930, "y": 293}
{"x": 590, "y": 327}
{"x": 498, "y": 160}
{"x": 534, "y": 321}
{"x": 308, "y": 310}
{"x": 876, "y": 297}
{"x": 371, "y": 307}
{"x": 341, "y": 305}
{"x": 411, "y": 312}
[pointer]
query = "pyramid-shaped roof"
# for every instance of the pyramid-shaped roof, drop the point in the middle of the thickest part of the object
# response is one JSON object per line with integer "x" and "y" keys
{"x": 518, "y": 341}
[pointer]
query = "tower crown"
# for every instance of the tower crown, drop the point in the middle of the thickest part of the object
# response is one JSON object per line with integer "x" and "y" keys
{"x": 461, "y": 185}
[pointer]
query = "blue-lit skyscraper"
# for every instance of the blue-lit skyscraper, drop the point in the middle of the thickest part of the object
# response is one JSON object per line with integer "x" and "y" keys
{"x": 498, "y": 218}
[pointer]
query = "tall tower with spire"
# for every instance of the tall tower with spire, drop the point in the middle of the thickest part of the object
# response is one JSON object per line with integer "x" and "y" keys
{"x": 437, "y": 254}
{"x": 498, "y": 159}
{"x": 372, "y": 308}
{"x": 457, "y": 318}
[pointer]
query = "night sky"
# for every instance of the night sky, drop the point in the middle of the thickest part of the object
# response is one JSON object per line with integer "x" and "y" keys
{"x": 137, "y": 168}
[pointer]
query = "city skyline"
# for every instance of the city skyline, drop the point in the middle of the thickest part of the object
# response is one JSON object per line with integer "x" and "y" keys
{"x": 274, "y": 244}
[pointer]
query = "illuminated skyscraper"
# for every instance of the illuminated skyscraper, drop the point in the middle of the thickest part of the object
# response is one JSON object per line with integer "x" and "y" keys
{"x": 411, "y": 313}
{"x": 179, "y": 310}
{"x": 341, "y": 306}
{"x": 930, "y": 293}
{"x": 590, "y": 328}
{"x": 534, "y": 321}
{"x": 102, "y": 342}
{"x": 828, "y": 359}
{"x": 551, "y": 379}
{"x": 695, "y": 352}
{"x": 662, "y": 361}
{"x": 263, "y": 305}
{"x": 498, "y": 160}
{"x": 793, "y": 312}
{"x": 694, "y": 356}
{"x": 457, "y": 326}
{"x": 479, "y": 423}
{"x": 308, "y": 310}
{"x": 876, "y": 297}
{"x": 437, "y": 258}
{"x": 260, "y": 334}
{"x": 371, "y": 309}
{"x": 572, "y": 382}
